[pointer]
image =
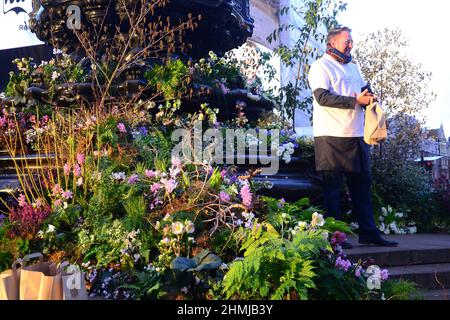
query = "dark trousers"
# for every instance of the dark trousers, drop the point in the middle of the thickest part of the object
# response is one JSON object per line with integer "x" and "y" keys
{"x": 359, "y": 186}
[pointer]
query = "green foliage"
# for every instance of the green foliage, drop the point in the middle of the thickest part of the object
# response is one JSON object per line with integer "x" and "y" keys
{"x": 335, "y": 284}
{"x": 155, "y": 148}
{"x": 406, "y": 186}
{"x": 135, "y": 208}
{"x": 401, "y": 290}
{"x": 273, "y": 267}
{"x": 169, "y": 78}
{"x": 147, "y": 285}
{"x": 317, "y": 15}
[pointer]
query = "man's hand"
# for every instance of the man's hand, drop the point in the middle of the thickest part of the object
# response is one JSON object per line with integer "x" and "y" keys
{"x": 365, "y": 97}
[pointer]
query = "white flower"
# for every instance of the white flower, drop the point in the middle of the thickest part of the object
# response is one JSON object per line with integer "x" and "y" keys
{"x": 399, "y": 215}
{"x": 190, "y": 228}
{"x": 51, "y": 228}
{"x": 317, "y": 220}
{"x": 80, "y": 182}
{"x": 382, "y": 227}
{"x": 381, "y": 218}
{"x": 166, "y": 217}
{"x": 325, "y": 235}
{"x": 157, "y": 225}
{"x": 55, "y": 75}
{"x": 412, "y": 229}
{"x": 118, "y": 176}
{"x": 40, "y": 234}
{"x": 393, "y": 226}
{"x": 302, "y": 225}
{"x": 177, "y": 228}
{"x": 384, "y": 211}
{"x": 354, "y": 225}
{"x": 389, "y": 209}
{"x": 184, "y": 290}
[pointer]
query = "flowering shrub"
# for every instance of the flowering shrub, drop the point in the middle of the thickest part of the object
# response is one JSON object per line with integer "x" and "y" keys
{"x": 393, "y": 221}
{"x": 146, "y": 224}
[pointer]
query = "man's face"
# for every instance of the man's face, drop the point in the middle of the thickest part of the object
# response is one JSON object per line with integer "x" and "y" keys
{"x": 343, "y": 42}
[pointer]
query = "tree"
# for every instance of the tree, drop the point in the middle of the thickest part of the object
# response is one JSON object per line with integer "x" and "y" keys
{"x": 402, "y": 86}
{"x": 308, "y": 23}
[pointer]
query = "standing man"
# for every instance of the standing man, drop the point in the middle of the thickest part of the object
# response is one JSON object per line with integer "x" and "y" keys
{"x": 338, "y": 124}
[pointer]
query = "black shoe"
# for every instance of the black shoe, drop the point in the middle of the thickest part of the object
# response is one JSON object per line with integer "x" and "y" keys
{"x": 346, "y": 245}
{"x": 377, "y": 241}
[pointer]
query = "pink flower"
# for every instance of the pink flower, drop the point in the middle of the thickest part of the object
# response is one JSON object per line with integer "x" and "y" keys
{"x": 57, "y": 190}
{"x": 246, "y": 195}
{"x": 22, "y": 201}
{"x": 176, "y": 162}
{"x": 223, "y": 173}
{"x": 170, "y": 184}
{"x": 3, "y": 121}
{"x": 121, "y": 127}
{"x": 80, "y": 159}
{"x": 150, "y": 174}
{"x": 155, "y": 187}
{"x": 77, "y": 171}
{"x": 57, "y": 203}
{"x": 67, "y": 168}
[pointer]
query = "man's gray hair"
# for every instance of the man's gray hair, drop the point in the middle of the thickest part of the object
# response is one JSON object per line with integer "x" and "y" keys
{"x": 335, "y": 31}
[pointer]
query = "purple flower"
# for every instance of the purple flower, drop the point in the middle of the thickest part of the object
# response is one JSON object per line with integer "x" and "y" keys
{"x": 121, "y": 127}
{"x": 384, "y": 274}
{"x": 80, "y": 159}
{"x": 223, "y": 173}
{"x": 358, "y": 272}
{"x": 143, "y": 131}
{"x": 224, "y": 197}
{"x": 133, "y": 179}
{"x": 246, "y": 195}
{"x": 67, "y": 168}
{"x": 338, "y": 238}
{"x": 2, "y": 217}
{"x": 281, "y": 203}
{"x": 67, "y": 195}
{"x": 343, "y": 264}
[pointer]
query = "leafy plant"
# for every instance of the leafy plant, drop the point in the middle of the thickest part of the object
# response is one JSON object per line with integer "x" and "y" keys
{"x": 273, "y": 267}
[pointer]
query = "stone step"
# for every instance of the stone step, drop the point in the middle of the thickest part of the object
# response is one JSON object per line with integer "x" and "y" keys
{"x": 412, "y": 250}
{"x": 254, "y": 161}
{"x": 427, "y": 276}
{"x": 436, "y": 294}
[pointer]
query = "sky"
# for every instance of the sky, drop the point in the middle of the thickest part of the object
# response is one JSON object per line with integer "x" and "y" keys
{"x": 425, "y": 25}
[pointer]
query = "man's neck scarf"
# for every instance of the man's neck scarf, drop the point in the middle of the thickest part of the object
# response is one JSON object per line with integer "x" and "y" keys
{"x": 339, "y": 56}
